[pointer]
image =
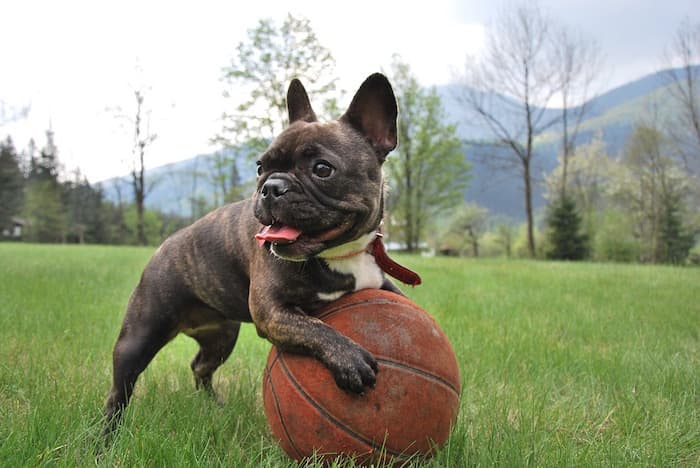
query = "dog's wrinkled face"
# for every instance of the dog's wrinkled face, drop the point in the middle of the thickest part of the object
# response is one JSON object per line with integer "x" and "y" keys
{"x": 320, "y": 184}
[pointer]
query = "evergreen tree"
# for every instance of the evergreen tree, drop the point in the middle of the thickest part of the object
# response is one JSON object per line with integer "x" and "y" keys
{"x": 674, "y": 242}
{"x": 43, "y": 207}
{"x": 83, "y": 206}
{"x": 565, "y": 237}
{"x": 11, "y": 183}
{"x": 116, "y": 231}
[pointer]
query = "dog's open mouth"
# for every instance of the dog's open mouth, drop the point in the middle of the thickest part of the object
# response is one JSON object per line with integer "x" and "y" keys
{"x": 280, "y": 234}
{"x": 277, "y": 233}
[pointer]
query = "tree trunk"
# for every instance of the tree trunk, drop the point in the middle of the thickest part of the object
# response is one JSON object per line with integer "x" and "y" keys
{"x": 138, "y": 172}
{"x": 528, "y": 208}
{"x": 565, "y": 146}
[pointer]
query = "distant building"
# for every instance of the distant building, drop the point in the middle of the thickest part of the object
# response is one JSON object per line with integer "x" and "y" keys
{"x": 14, "y": 230}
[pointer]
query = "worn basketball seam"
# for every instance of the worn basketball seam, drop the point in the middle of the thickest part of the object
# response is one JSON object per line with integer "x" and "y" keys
{"x": 363, "y": 302}
{"x": 418, "y": 371}
{"x": 333, "y": 419}
{"x": 277, "y": 403}
{"x": 375, "y": 301}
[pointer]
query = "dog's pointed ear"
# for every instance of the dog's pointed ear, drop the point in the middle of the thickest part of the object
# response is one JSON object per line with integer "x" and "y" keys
{"x": 298, "y": 104}
{"x": 373, "y": 113}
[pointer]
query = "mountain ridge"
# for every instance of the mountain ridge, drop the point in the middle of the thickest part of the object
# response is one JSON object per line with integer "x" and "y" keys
{"x": 613, "y": 113}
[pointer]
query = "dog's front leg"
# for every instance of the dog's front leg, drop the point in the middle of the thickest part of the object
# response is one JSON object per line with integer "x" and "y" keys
{"x": 290, "y": 329}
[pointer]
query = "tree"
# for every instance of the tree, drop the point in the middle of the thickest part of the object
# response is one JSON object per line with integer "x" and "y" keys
{"x": 566, "y": 240}
{"x": 524, "y": 65}
{"x": 142, "y": 139}
{"x": 504, "y": 237}
{"x": 115, "y": 230}
{"x": 578, "y": 64}
{"x": 675, "y": 240}
{"x": 224, "y": 176}
{"x": 428, "y": 172}
{"x": 508, "y": 91}
{"x": 683, "y": 78}
{"x": 43, "y": 207}
{"x": 588, "y": 173}
{"x": 257, "y": 79}
{"x": 11, "y": 183}
{"x": 83, "y": 206}
{"x": 467, "y": 225}
{"x": 577, "y": 61}
{"x": 651, "y": 187}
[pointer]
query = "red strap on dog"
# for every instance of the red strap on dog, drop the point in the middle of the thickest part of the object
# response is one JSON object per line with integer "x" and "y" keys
{"x": 389, "y": 266}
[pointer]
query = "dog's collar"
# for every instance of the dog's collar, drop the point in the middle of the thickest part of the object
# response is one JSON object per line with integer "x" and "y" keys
{"x": 350, "y": 249}
{"x": 375, "y": 247}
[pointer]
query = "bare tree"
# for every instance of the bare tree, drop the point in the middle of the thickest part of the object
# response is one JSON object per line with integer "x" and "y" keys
{"x": 142, "y": 139}
{"x": 528, "y": 62}
{"x": 508, "y": 91}
{"x": 224, "y": 176}
{"x": 577, "y": 63}
{"x": 683, "y": 77}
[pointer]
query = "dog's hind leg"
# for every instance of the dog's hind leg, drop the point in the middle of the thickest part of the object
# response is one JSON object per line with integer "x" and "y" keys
{"x": 216, "y": 341}
{"x": 138, "y": 342}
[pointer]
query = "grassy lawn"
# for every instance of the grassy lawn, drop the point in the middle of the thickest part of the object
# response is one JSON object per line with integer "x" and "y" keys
{"x": 562, "y": 364}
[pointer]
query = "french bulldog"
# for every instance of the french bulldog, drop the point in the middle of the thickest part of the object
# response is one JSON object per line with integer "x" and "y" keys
{"x": 308, "y": 235}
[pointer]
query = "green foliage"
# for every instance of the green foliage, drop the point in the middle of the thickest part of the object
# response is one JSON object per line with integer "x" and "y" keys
{"x": 614, "y": 239}
{"x": 652, "y": 188}
{"x": 84, "y": 211}
{"x": 588, "y": 176}
{"x": 694, "y": 255}
{"x": 674, "y": 241}
{"x": 225, "y": 177}
{"x": 504, "y": 235}
{"x": 258, "y": 76}
{"x": 43, "y": 207}
{"x": 645, "y": 198}
{"x": 467, "y": 225}
{"x": 11, "y": 184}
{"x": 561, "y": 365}
{"x": 520, "y": 245}
{"x": 427, "y": 172}
{"x": 157, "y": 226}
{"x": 44, "y": 212}
{"x": 566, "y": 240}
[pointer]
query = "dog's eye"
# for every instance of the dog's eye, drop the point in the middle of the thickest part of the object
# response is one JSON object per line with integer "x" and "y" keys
{"x": 322, "y": 169}
{"x": 260, "y": 168}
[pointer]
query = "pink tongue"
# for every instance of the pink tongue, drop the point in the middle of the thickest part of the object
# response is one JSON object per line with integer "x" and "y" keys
{"x": 277, "y": 233}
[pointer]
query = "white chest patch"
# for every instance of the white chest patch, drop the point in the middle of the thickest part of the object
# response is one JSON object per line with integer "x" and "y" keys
{"x": 363, "y": 267}
{"x": 352, "y": 259}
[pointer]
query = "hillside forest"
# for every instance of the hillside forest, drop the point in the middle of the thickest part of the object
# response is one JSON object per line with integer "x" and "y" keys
{"x": 519, "y": 156}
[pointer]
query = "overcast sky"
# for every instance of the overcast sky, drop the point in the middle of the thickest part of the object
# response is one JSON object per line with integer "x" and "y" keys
{"x": 74, "y": 61}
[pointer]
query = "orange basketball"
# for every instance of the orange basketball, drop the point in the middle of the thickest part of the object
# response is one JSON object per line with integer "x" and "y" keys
{"x": 410, "y": 410}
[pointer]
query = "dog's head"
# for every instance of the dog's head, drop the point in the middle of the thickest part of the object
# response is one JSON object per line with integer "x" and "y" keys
{"x": 320, "y": 183}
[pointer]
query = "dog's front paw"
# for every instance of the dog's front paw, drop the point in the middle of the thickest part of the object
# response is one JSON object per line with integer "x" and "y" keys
{"x": 353, "y": 367}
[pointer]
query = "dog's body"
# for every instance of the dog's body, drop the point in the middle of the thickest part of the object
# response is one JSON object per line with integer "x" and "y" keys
{"x": 274, "y": 259}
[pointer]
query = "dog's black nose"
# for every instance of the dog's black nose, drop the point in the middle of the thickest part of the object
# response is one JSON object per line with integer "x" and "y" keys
{"x": 274, "y": 188}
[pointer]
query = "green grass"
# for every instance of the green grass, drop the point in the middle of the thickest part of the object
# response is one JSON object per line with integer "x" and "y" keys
{"x": 562, "y": 364}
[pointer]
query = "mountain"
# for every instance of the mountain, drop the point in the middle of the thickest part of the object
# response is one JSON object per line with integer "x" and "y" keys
{"x": 613, "y": 113}
{"x": 173, "y": 187}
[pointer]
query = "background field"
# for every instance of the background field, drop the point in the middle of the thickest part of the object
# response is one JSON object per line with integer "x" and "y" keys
{"x": 562, "y": 364}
